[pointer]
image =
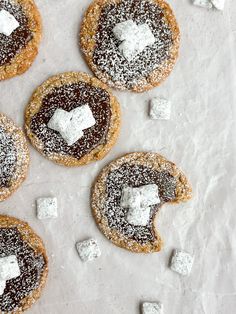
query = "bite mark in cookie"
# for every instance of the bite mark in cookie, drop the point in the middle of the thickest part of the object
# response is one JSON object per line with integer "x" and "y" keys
{"x": 136, "y": 170}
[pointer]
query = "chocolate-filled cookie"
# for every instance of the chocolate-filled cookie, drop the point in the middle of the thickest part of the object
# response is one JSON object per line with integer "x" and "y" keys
{"x": 20, "y": 35}
{"x": 73, "y": 119}
{"x": 130, "y": 44}
{"x": 14, "y": 157}
{"x": 23, "y": 266}
{"x": 128, "y": 194}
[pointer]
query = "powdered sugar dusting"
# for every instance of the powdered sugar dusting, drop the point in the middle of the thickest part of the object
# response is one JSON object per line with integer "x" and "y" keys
{"x": 8, "y": 158}
{"x": 135, "y": 176}
{"x": 31, "y": 267}
{"x": 107, "y": 56}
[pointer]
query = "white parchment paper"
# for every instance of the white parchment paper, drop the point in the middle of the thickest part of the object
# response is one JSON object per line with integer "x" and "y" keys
{"x": 199, "y": 138}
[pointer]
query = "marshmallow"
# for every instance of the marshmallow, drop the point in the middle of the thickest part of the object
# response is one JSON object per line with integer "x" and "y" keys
{"x": 71, "y": 124}
{"x": 181, "y": 262}
{"x": 139, "y": 200}
{"x": 218, "y": 4}
{"x": 152, "y": 308}
{"x": 203, "y": 3}
{"x": 135, "y": 38}
{"x": 160, "y": 109}
{"x": 46, "y": 207}
{"x": 88, "y": 250}
{"x": 2, "y": 286}
{"x": 138, "y": 216}
{"x": 9, "y": 268}
{"x": 8, "y": 23}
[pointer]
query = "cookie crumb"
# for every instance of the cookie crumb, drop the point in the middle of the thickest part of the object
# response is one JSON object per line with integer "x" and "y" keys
{"x": 181, "y": 262}
{"x": 47, "y": 207}
{"x": 152, "y": 308}
{"x": 9, "y": 268}
{"x": 88, "y": 250}
{"x": 160, "y": 109}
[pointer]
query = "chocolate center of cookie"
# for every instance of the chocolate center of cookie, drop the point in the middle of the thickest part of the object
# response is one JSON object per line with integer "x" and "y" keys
{"x": 8, "y": 159}
{"x": 107, "y": 56}
{"x": 69, "y": 97}
{"x": 11, "y": 45}
{"x": 31, "y": 268}
{"x": 135, "y": 176}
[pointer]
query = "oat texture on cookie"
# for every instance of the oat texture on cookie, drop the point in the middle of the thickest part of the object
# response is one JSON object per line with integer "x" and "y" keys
{"x": 130, "y": 44}
{"x": 73, "y": 119}
{"x": 128, "y": 194}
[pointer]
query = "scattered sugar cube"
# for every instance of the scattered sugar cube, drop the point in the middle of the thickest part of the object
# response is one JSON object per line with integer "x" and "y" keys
{"x": 46, "y": 207}
{"x": 8, "y": 23}
{"x": 160, "y": 109}
{"x": 88, "y": 250}
{"x": 72, "y": 124}
{"x": 203, "y": 3}
{"x": 181, "y": 262}
{"x": 218, "y": 4}
{"x": 152, "y": 308}
{"x": 9, "y": 268}
{"x": 135, "y": 38}
{"x": 2, "y": 286}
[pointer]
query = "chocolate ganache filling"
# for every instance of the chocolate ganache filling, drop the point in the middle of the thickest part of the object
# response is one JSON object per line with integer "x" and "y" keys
{"x": 31, "y": 268}
{"x": 8, "y": 159}
{"x": 69, "y": 97}
{"x": 135, "y": 176}
{"x": 107, "y": 56}
{"x": 11, "y": 45}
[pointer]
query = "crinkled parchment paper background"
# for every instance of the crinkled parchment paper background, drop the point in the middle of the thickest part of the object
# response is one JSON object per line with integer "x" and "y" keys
{"x": 199, "y": 138}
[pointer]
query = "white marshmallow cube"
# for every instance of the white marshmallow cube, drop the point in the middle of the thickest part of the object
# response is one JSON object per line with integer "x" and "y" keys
{"x": 88, "y": 250}
{"x": 9, "y": 268}
{"x": 8, "y": 23}
{"x": 135, "y": 38}
{"x": 138, "y": 216}
{"x": 181, "y": 262}
{"x": 160, "y": 109}
{"x": 2, "y": 286}
{"x": 152, "y": 308}
{"x": 218, "y": 4}
{"x": 72, "y": 124}
{"x": 46, "y": 207}
{"x": 139, "y": 200}
{"x": 203, "y": 3}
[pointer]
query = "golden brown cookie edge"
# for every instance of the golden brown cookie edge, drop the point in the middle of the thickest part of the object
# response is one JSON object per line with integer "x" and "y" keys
{"x": 158, "y": 162}
{"x": 22, "y": 154}
{"x": 35, "y": 104}
{"x": 87, "y": 44}
{"x": 38, "y": 246}
{"x": 24, "y": 59}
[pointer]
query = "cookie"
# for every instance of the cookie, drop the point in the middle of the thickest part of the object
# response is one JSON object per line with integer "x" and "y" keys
{"x": 14, "y": 157}
{"x": 59, "y": 115}
{"x": 20, "y": 35}
{"x": 130, "y": 44}
{"x": 138, "y": 172}
{"x": 18, "y": 241}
